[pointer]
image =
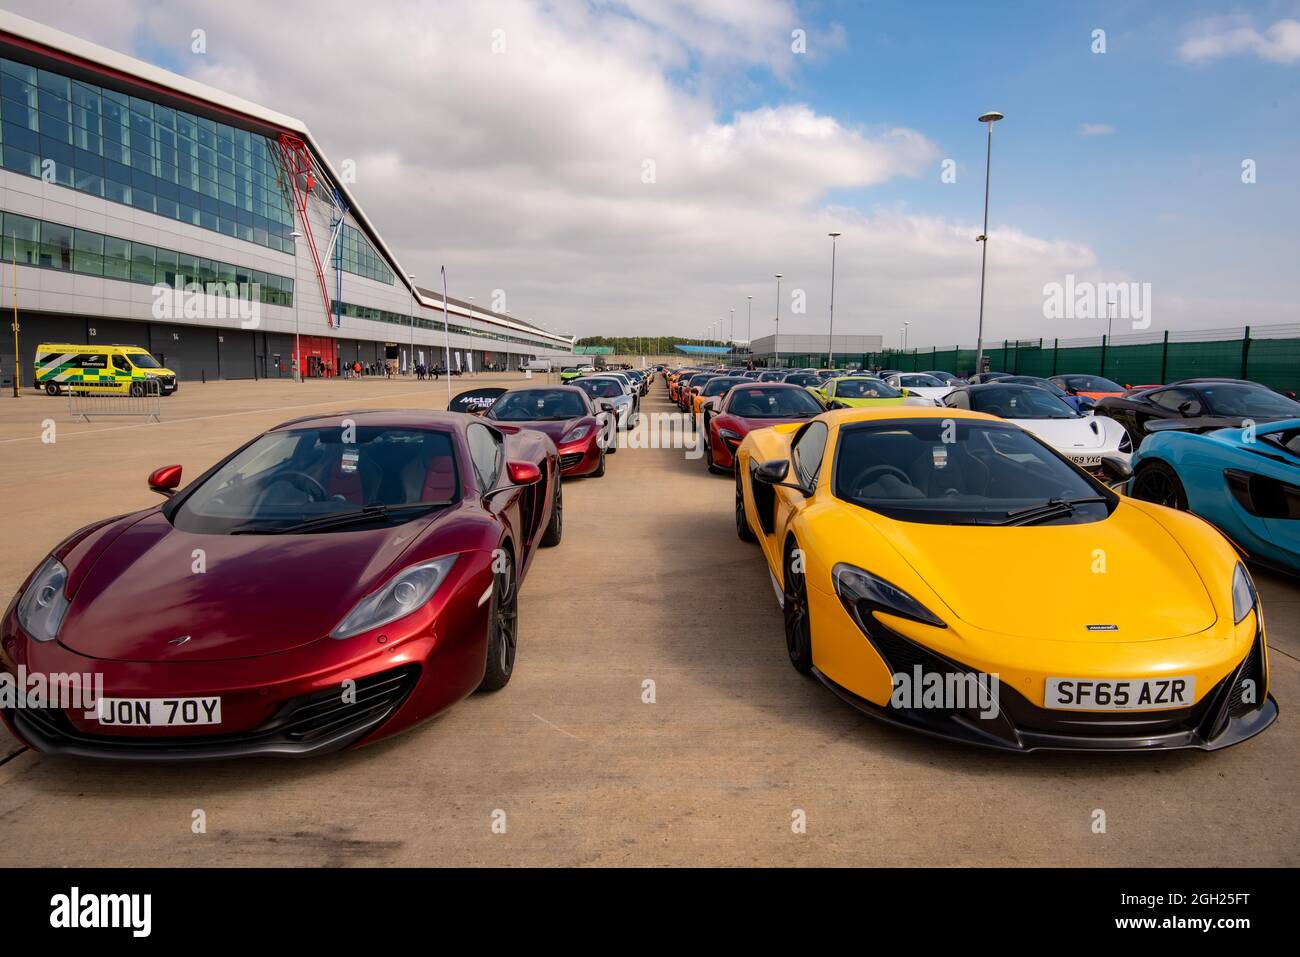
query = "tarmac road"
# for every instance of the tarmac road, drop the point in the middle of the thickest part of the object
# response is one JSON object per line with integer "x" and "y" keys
{"x": 650, "y": 584}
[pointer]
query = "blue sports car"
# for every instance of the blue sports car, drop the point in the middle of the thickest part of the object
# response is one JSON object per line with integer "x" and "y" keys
{"x": 1244, "y": 481}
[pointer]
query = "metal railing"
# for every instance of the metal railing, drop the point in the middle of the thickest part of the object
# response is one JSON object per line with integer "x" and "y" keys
{"x": 144, "y": 399}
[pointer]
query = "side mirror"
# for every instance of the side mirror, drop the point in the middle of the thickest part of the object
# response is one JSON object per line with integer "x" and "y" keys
{"x": 773, "y": 471}
{"x": 605, "y": 407}
{"x": 1117, "y": 468}
{"x": 523, "y": 473}
{"x": 166, "y": 480}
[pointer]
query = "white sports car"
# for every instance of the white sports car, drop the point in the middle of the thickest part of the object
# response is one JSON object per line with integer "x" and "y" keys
{"x": 1083, "y": 439}
{"x": 921, "y": 384}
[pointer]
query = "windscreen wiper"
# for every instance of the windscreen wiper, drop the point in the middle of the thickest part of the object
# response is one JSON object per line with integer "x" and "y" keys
{"x": 1052, "y": 508}
{"x": 361, "y": 516}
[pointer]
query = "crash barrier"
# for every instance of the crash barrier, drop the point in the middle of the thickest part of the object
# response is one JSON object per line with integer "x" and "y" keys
{"x": 1266, "y": 354}
{"x": 144, "y": 401}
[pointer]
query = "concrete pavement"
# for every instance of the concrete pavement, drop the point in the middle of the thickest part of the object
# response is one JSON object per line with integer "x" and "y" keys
{"x": 649, "y": 585}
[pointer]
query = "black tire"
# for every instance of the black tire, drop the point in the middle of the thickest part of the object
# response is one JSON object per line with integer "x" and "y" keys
{"x": 794, "y": 610}
{"x": 555, "y": 527}
{"x": 743, "y": 531}
{"x": 600, "y": 469}
{"x": 1157, "y": 482}
{"x": 51, "y": 388}
{"x": 708, "y": 460}
{"x": 137, "y": 389}
{"x": 503, "y": 630}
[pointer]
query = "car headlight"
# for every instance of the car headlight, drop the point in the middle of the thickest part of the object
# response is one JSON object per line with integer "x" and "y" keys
{"x": 855, "y": 587}
{"x": 405, "y": 593}
{"x": 1244, "y": 596}
{"x": 43, "y": 605}
{"x": 729, "y": 435}
{"x": 575, "y": 433}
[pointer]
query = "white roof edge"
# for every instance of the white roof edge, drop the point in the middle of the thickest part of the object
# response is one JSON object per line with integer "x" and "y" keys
{"x": 47, "y": 36}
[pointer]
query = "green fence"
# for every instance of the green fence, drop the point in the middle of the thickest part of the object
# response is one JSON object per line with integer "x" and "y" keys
{"x": 1268, "y": 355}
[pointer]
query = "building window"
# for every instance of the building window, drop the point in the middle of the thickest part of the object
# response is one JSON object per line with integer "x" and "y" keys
{"x": 22, "y": 239}
{"x": 138, "y": 153}
{"x": 56, "y": 246}
{"x": 88, "y": 253}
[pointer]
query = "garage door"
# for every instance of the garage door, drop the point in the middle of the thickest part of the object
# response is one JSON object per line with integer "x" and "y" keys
{"x": 235, "y": 348}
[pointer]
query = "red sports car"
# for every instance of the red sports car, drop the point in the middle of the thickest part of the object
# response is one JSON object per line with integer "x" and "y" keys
{"x": 579, "y": 430}
{"x": 335, "y": 580}
{"x": 748, "y": 407}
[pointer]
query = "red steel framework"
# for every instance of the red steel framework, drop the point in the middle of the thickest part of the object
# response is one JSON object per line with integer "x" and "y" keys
{"x": 300, "y": 175}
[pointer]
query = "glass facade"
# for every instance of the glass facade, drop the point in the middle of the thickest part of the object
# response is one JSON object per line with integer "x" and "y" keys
{"x": 401, "y": 319}
{"x": 142, "y": 154}
{"x": 360, "y": 258}
{"x": 35, "y": 242}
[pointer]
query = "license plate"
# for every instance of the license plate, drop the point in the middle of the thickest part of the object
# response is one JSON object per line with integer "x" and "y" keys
{"x": 1124, "y": 694}
{"x": 1086, "y": 461}
{"x": 158, "y": 712}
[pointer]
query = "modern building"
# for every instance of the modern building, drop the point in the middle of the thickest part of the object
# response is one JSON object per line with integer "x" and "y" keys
{"x": 140, "y": 207}
{"x": 812, "y": 350}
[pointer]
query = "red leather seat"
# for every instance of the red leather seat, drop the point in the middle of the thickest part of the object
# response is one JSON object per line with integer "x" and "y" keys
{"x": 440, "y": 480}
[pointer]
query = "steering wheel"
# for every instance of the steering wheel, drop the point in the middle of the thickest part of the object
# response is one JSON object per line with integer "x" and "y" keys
{"x": 868, "y": 475}
{"x": 305, "y": 483}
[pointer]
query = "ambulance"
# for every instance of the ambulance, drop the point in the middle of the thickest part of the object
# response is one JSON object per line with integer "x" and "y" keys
{"x": 100, "y": 370}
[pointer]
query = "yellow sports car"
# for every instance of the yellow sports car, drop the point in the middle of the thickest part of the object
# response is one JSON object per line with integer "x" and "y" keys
{"x": 948, "y": 571}
{"x": 855, "y": 392}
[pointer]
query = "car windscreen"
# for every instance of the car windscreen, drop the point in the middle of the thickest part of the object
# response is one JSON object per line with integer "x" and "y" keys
{"x": 1248, "y": 401}
{"x": 1051, "y": 387}
{"x": 1092, "y": 383}
{"x": 285, "y": 478}
{"x": 960, "y": 472}
{"x": 756, "y": 402}
{"x": 699, "y": 379}
{"x": 771, "y": 376}
{"x": 865, "y": 389}
{"x": 142, "y": 360}
{"x": 720, "y": 385}
{"x": 919, "y": 380}
{"x": 1019, "y": 402}
{"x": 599, "y": 388}
{"x": 803, "y": 378}
{"x": 532, "y": 405}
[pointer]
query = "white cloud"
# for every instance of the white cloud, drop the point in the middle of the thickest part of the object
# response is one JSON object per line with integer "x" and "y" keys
{"x": 1096, "y": 129}
{"x": 1217, "y": 38}
{"x": 522, "y": 170}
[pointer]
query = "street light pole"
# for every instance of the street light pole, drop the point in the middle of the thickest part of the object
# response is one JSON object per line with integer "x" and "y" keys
{"x": 414, "y": 309}
{"x": 297, "y": 290}
{"x": 776, "y": 336}
{"x": 471, "y": 335}
{"x": 990, "y": 118}
{"x": 749, "y": 325}
{"x": 830, "y": 336}
{"x": 905, "y": 325}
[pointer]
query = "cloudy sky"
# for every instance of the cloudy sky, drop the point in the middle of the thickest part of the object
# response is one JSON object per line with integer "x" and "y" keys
{"x": 642, "y": 166}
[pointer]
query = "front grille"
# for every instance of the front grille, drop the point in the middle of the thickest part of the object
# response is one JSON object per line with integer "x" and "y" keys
{"x": 1249, "y": 673}
{"x": 570, "y": 459}
{"x": 298, "y": 724}
{"x": 325, "y": 712}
